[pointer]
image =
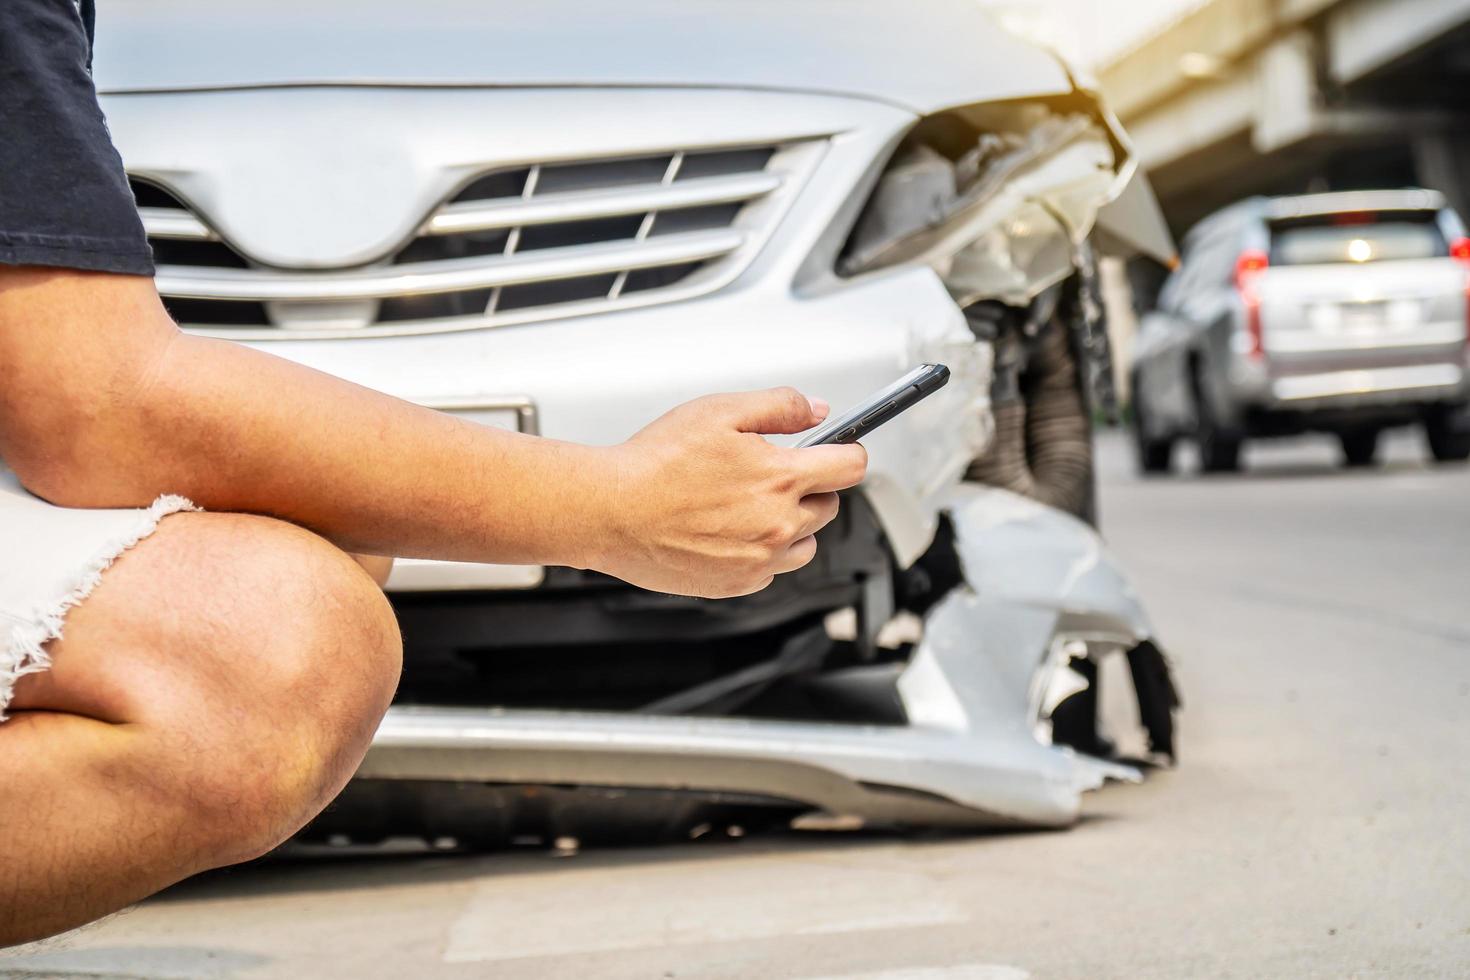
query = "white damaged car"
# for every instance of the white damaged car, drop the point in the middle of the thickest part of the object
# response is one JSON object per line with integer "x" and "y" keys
{"x": 570, "y": 219}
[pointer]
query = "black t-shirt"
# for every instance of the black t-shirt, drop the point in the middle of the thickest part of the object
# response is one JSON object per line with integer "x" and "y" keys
{"x": 64, "y": 199}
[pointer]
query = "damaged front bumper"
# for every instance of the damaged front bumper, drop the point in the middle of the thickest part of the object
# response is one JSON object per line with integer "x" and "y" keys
{"x": 996, "y": 658}
{"x": 974, "y": 753}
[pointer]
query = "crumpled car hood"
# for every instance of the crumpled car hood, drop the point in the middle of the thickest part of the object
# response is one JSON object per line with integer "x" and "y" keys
{"x": 923, "y": 55}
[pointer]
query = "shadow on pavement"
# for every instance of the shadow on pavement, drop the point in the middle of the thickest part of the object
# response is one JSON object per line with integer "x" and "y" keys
{"x": 300, "y": 869}
{"x": 1296, "y": 470}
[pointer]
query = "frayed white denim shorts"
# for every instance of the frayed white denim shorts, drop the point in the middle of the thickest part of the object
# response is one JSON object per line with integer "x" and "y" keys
{"x": 51, "y": 558}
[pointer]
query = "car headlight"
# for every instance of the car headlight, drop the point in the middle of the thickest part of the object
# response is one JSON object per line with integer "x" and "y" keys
{"x": 995, "y": 198}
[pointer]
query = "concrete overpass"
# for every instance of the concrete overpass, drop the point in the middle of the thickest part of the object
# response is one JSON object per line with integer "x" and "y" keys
{"x": 1244, "y": 97}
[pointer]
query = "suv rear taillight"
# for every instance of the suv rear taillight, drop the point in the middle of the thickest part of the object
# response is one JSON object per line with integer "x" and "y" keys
{"x": 1248, "y": 268}
{"x": 1460, "y": 252}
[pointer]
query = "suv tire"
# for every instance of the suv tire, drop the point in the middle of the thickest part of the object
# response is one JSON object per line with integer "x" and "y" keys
{"x": 1359, "y": 447}
{"x": 1154, "y": 455}
{"x": 1219, "y": 447}
{"x": 1448, "y": 433}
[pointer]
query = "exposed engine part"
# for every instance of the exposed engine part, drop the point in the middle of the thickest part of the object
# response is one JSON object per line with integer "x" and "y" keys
{"x": 1043, "y": 431}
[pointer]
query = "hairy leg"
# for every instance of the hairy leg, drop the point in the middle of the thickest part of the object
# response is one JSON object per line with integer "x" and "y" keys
{"x": 212, "y": 695}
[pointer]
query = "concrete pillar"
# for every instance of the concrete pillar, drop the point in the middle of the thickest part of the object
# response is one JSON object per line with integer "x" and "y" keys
{"x": 1288, "y": 102}
{"x": 1442, "y": 162}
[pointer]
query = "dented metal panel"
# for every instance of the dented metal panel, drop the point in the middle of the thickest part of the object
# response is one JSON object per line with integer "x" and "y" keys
{"x": 1023, "y": 553}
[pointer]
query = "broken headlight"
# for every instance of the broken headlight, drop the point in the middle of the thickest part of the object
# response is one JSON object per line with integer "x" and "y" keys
{"x": 995, "y": 198}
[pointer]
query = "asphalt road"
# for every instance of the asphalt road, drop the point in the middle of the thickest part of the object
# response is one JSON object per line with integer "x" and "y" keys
{"x": 1320, "y": 622}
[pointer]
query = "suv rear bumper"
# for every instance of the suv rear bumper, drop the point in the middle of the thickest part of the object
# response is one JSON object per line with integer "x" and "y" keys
{"x": 1270, "y": 400}
{"x": 1371, "y": 386}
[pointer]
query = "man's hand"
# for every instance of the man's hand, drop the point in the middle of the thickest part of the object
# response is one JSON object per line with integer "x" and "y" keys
{"x": 703, "y": 505}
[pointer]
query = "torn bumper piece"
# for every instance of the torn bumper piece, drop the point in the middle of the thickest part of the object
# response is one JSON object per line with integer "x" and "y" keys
{"x": 974, "y": 752}
{"x": 1023, "y": 558}
{"x": 887, "y": 776}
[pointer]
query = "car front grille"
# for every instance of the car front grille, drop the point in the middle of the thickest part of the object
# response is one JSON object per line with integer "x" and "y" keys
{"x": 514, "y": 244}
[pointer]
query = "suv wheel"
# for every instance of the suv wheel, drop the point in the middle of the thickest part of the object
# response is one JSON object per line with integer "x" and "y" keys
{"x": 1448, "y": 432}
{"x": 1154, "y": 455}
{"x": 1359, "y": 446}
{"x": 1219, "y": 447}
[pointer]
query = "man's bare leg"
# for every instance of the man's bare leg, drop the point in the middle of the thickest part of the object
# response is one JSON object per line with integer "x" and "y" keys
{"x": 214, "y": 693}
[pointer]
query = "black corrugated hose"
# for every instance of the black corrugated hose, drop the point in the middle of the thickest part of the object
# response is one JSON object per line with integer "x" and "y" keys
{"x": 1043, "y": 433}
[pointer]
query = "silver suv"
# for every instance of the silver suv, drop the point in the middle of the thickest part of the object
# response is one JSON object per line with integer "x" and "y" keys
{"x": 1345, "y": 313}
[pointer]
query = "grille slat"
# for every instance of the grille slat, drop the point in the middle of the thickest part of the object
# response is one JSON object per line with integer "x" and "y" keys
{"x": 467, "y": 216}
{"x": 446, "y": 275}
{"x": 174, "y": 223}
{"x": 520, "y": 243}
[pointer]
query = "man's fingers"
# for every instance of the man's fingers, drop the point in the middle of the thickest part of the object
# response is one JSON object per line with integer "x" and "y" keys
{"x": 820, "y": 509}
{"x": 822, "y": 469}
{"x": 777, "y": 411}
{"x": 798, "y": 555}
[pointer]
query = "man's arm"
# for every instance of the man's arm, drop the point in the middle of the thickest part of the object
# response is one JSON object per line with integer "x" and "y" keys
{"x": 105, "y": 403}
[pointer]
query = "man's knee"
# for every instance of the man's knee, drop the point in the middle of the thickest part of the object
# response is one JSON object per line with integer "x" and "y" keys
{"x": 271, "y": 657}
{"x": 303, "y": 622}
{"x": 319, "y": 661}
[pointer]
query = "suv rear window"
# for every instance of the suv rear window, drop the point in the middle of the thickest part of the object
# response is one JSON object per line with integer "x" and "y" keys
{"x": 1356, "y": 237}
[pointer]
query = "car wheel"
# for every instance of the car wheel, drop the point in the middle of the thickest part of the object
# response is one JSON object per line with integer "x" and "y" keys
{"x": 1153, "y": 455}
{"x": 1359, "y": 447}
{"x": 1448, "y": 433}
{"x": 1219, "y": 447}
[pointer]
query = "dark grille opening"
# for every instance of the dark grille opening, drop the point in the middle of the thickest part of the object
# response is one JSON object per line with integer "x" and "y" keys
{"x": 170, "y": 251}
{"x": 695, "y": 219}
{"x": 503, "y": 183}
{"x": 720, "y": 163}
{"x": 432, "y": 247}
{"x": 471, "y": 302}
{"x": 604, "y": 677}
{"x": 152, "y": 196}
{"x": 560, "y": 291}
{"x": 657, "y": 278}
{"x": 579, "y": 232}
{"x": 217, "y": 312}
{"x": 215, "y": 255}
{"x": 604, "y": 173}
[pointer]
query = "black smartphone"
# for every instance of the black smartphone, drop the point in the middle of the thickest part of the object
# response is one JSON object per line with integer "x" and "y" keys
{"x": 900, "y": 396}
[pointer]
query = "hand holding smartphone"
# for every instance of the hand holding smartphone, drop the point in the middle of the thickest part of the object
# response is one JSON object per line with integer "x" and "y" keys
{"x": 881, "y": 407}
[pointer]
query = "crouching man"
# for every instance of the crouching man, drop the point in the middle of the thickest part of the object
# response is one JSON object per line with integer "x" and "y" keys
{"x": 193, "y": 652}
